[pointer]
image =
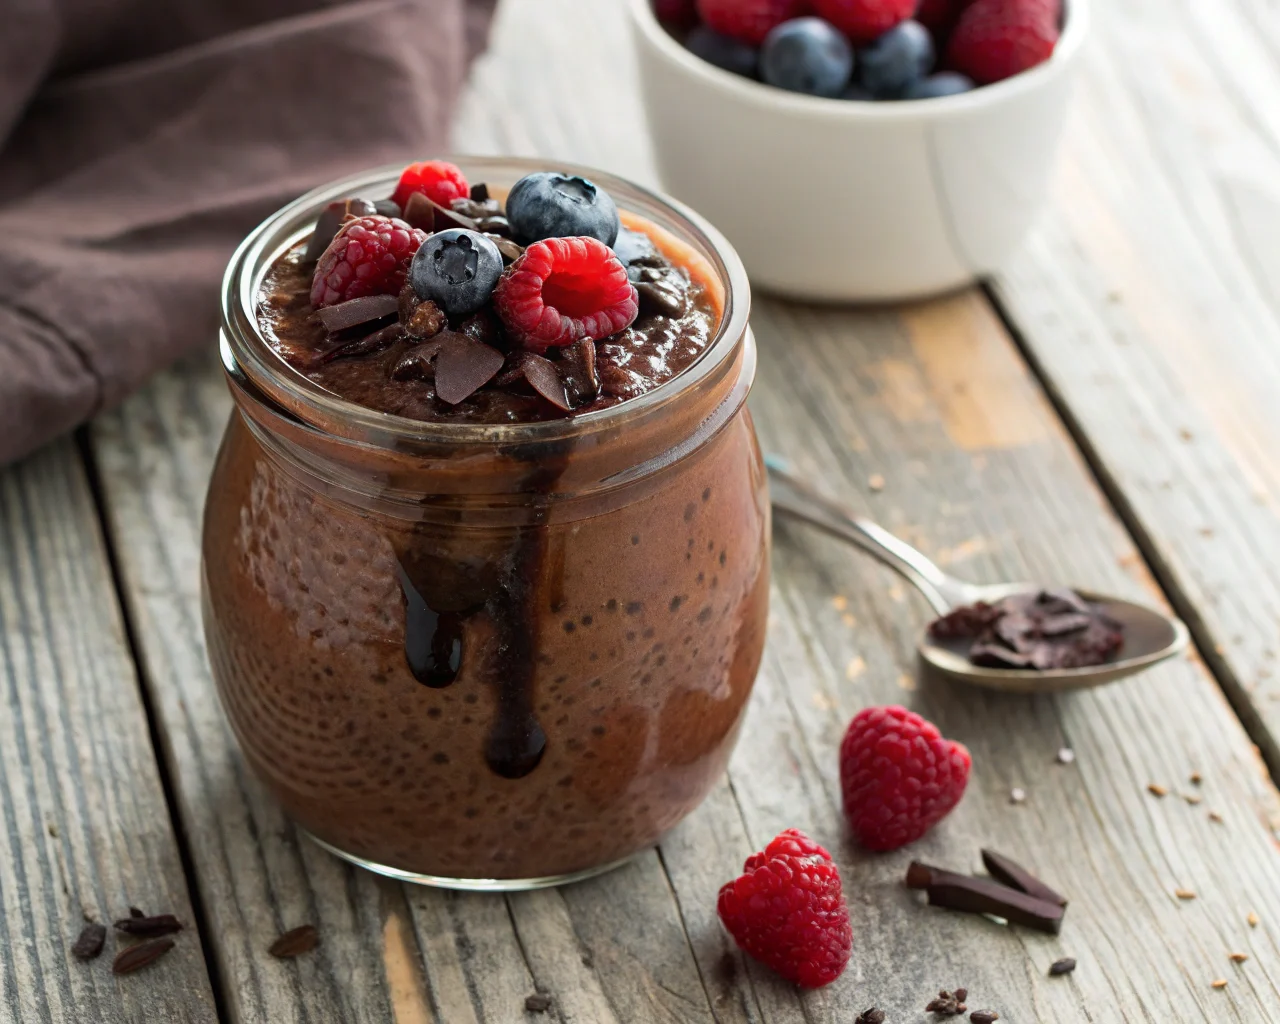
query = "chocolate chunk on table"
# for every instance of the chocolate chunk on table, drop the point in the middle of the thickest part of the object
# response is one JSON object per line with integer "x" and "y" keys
{"x": 1013, "y": 874}
{"x": 953, "y": 891}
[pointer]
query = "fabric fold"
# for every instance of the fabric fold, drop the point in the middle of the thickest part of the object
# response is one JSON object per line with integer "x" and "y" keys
{"x": 124, "y": 189}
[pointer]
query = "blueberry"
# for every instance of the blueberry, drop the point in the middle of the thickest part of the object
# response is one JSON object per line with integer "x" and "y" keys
{"x": 550, "y": 205}
{"x": 632, "y": 246}
{"x": 724, "y": 52}
{"x": 901, "y": 56}
{"x": 457, "y": 270}
{"x": 807, "y": 55}
{"x": 945, "y": 83}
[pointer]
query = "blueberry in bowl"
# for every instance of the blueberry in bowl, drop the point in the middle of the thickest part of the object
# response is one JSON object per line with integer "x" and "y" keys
{"x": 457, "y": 270}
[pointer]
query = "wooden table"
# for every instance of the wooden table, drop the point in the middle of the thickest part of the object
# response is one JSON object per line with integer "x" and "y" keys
{"x": 1107, "y": 412}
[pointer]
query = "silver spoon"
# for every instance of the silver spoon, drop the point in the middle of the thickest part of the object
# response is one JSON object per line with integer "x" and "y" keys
{"x": 1149, "y": 636}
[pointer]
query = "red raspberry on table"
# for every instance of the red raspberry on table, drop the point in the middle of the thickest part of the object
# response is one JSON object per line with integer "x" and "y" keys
{"x": 368, "y": 256}
{"x": 864, "y": 20}
{"x": 899, "y": 777}
{"x": 749, "y": 20}
{"x": 438, "y": 180}
{"x": 787, "y": 910}
{"x": 997, "y": 39}
{"x": 562, "y": 290}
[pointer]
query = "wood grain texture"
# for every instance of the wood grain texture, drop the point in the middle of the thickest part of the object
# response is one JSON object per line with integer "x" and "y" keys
{"x": 84, "y": 828}
{"x": 924, "y": 397}
{"x": 1150, "y": 300}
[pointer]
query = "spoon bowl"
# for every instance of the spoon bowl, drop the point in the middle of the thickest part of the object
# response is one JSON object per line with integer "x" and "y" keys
{"x": 1150, "y": 636}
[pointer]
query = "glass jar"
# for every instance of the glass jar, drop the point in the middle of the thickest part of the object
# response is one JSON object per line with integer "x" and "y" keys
{"x": 487, "y": 656}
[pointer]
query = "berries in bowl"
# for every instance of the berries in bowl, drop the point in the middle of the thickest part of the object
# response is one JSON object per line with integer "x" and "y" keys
{"x": 923, "y": 133}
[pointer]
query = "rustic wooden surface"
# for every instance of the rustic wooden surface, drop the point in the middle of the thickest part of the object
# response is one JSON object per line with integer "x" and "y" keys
{"x": 1151, "y": 301}
{"x": 978, "y": 470}
{"x": 84, "y": 828}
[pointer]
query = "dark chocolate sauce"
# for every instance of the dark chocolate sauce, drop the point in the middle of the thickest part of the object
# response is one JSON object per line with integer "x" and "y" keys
{"x": 432, "y": 640}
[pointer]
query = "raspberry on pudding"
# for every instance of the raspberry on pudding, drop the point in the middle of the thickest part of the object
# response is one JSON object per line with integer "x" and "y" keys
{"x": 486, "y": 548}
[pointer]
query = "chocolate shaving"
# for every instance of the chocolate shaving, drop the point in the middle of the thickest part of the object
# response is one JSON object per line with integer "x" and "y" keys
{"x": 348, "y": 314}
{"x": 416, "y": 363}
{"x": 578, "y": 368}
{"x": 984, "y": 1017}
{"x": 135, "y": 912}
{"x": 953, "y": 891}
{"x": 664, "y": 291}
{"x": 149, "y": 927}
{"x": 511, "y": 251}
{"x": 539, "y": 1002}
{"x": 137, "y": 957}
{"x": 1060, "y": 967}
{"x": 479, "y": 192}
{"x": 387, "y": 207}
{"x": 295, "y": 942}
{"x": 427, "y": 321}
{"x": 367, "y": 345}
{"x": 1011, "y": 873}
{"x": 89, "y": 945}
{"x": 542, "y": 376}
{"x": 421, "y": 212}
{"x": 476, "y": 209}
{"x": 464, "y": 365}
{"x": 870, "y": 1016}
{"x": 330, "y": 220}
{"x": 494, "y": 224}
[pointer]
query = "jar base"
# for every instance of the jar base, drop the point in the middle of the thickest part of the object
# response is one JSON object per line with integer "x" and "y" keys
{"x": 467, "y": 884}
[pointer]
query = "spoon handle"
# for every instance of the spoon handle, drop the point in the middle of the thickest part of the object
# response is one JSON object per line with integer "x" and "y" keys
{"x": 795, "y": 497}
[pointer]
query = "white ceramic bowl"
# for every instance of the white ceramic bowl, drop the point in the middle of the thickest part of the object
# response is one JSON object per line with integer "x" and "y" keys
{"x": 838, "y": 200}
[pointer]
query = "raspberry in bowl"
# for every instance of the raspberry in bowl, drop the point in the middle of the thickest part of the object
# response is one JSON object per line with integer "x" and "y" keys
{"x": 909, "y": 146}
{"x": 486, "y": 548}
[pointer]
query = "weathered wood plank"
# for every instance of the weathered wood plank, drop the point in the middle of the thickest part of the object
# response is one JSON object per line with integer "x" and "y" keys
{"x": 1150, "y": 300}
{"x": 84, "y": 827}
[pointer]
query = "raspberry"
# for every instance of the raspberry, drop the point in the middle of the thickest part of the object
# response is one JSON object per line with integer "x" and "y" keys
{"x": 676, "y": 12}
{"x": 368, "y": 256}
{"x": 864, "y": 20}
{"x": 749, "y": 20}
{"x": 564, "y": 289}
{"x": 997, "y": 39}
{"x": 438, "y": 180}
{"x": 899, "y": 776}
{"x": 787, "y": 910}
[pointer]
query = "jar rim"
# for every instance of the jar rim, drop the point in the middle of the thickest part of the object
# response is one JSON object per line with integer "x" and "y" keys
{"x": 248, "y": 357}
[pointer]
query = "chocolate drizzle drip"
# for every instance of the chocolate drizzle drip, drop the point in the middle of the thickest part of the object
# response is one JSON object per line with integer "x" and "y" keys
{"x": 432, "y": 640}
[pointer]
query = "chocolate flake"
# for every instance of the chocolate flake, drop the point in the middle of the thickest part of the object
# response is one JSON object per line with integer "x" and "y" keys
{"x": 149, "y": 927}
{"x": 662, "y": 290}
{"x": 578, "y": 367}
{"x": 367, "y": 345}
{"x": 295, "y": 942}
{"x": 134, "y": 958}
{"x": 387, "y": 207}
{"x": 511, "y": 251}
{"x": 89, "y": 945}
{"x": 539, "y": 1002}
{"x": 984, "y": 1017}
{"x": 1064, "y": 966}
{"x": 135, "y": 912}
{"x": 416, "y": 363}
{"x": 542, "y": 376}
{"x": 870, "y": 1016}
{"x": 1012, "y": 874}
{"x": 953, "y": 891}
{"x": 421, "y": 212}
{"x": 353, "y": 312}
{"x": 464, "y": 365}
{"x": 479, "y": 192}
{"x": 330, "y": 220}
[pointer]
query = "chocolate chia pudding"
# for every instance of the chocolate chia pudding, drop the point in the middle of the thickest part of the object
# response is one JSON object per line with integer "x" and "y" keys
{"x": 486, "y": 564}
